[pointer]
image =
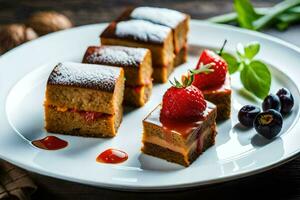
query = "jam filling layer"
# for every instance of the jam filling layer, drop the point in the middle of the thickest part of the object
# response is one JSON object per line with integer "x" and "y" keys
{"x": 89, "y": 116}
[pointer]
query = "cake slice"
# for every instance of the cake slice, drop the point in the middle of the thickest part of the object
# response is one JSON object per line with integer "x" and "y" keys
{"x": 137, "y": 66}
{"x": 137, "y": 95}
{"x": 139, "y": 33}
{"x": 215, "y": 84}
{"x": 181, "y": 57}
{"x": 177, "y": 21}
{"x": 221, "y": 97}
{"x": 182, "y": 127}
{"x": 84, "y": 100}
{"x": 179, "y": 142}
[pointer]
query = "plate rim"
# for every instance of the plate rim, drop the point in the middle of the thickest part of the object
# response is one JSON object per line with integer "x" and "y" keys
{"x": 288, "y": 157}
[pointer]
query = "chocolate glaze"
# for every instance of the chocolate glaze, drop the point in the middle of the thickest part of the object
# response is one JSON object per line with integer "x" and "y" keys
{"x": 184, "y": 128}
{"x": 137, "y": 30}
{"x": 115, "y": 56}
{"x": 85, "y": 76}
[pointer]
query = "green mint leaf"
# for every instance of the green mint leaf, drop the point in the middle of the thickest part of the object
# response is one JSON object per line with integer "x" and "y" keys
{"x": 246, "y": 13}
{"x": 233, "y": 64}
{"x": 240, "y": 50}
{"x": 251, "y": 49}
{"x": 256, "y": 78}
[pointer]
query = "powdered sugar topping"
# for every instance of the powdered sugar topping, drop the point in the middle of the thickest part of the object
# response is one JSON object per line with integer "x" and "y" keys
{"x": 163, "y": 16}
{"x": 117, "y": 56}
{"x": 142, "y": 31}
{"x": 85, "y": 75}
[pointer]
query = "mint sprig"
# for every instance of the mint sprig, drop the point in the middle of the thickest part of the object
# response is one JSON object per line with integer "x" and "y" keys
{"x": 254, "y": 74}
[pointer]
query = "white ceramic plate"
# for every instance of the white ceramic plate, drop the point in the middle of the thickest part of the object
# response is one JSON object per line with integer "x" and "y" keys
{"x": 237, "y": 152}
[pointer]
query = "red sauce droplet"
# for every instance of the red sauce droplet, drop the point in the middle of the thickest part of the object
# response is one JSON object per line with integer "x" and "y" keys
{"x": 50, "y": 143}
{"x": 112, "y": 156}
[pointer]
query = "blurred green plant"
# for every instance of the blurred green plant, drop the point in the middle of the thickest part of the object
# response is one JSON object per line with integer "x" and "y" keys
{"x": 281, "y": 15}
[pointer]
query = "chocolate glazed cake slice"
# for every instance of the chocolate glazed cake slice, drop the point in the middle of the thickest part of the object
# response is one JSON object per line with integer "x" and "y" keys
{"x": 137, "y": 66}
{"x": 177, "y": 21}
{"x": 181, "y": 143}
{"x": 139, "y": 33}
{"x": 84, "y": 100}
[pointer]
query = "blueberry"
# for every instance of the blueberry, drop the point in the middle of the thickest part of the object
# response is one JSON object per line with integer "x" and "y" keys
{"x": 271, "y": 102}
{"x": 286, "y": 99}
{"x": 268, "y": 123}
{"x": 247, "y": 115}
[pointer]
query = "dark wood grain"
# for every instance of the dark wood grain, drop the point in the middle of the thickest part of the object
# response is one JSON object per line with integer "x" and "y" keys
{"x": 280, "y": 183}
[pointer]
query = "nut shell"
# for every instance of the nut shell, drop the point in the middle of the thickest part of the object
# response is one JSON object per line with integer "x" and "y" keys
{"x": 47, "y": 22}
{"x": 13, "y": 35}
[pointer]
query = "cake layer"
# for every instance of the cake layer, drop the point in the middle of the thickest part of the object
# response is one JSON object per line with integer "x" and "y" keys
{"x": 144, "y": 34}
{"x": 81, "y": 123}
{"x": 137, "y": 95}
{"x": 86, "y": 87}
{"x": 182, "y": 148}
{"x": 221, "y": 97}
{"x": 177, "y": 21}
{"x": 161, "y": 75}
{"x": 181, "y": 57}
{"x": 181, "y": 134}
{"x": 177, "y": 155}
{"x": 136, "y": 62}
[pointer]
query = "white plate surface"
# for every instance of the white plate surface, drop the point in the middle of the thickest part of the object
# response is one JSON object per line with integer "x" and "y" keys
{"x": 237, "y": 153}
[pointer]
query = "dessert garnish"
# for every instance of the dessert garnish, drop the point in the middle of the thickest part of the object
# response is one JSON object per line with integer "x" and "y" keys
{"x": 286, "y": 100}
{"x": 271, "y": 101}
{"x": 254, "y": 74}
{"x": 269, "y": 122}
{"x": 183, "y": 101}
{"x": 50, "y": 143}
{"x": 112, "y": 156}
{"x": 214, "y": 79}
{"x": 247, "y": 115}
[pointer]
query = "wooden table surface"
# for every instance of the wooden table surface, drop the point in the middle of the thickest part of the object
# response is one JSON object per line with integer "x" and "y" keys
{"x": 280, "y": 183}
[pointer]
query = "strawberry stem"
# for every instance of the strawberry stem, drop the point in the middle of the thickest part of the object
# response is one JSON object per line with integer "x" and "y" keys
{"x": 222, "y": 48}
{"x": 189, "y": 78}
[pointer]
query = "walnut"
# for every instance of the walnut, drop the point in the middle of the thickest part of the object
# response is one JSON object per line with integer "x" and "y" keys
{"x": 13, "y": 35}
{"x": 48, "y": 21}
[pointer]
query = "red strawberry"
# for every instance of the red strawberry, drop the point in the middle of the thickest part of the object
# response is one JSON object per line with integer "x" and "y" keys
{"x": 182, "y": 103}
{"x": 215, "y": 78}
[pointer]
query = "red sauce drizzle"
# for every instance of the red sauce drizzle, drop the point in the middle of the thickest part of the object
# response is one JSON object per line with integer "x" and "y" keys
{"x": 137, "y": 89}
{"x": 91, "y": 116}
{"x": 50, "y": 143}
{"x": 112, "y": 156}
